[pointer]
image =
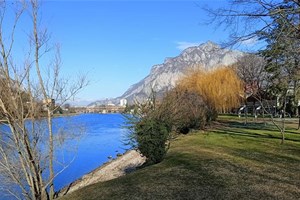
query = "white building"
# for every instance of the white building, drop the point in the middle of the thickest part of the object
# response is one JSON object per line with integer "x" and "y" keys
{"x": 123, "y": 102}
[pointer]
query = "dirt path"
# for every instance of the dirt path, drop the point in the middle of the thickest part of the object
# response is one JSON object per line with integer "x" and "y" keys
{"x": 113, "y": 169}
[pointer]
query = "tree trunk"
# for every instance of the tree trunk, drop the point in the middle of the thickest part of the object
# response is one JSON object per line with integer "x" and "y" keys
{"x": 263, "y": 116}
{"x": 299, "y": 123}
{"x": 51, "y": 150}
{"x": 299, "y": 117}
{"x": 282, "y": 136}
{"x": 283, "y": 121}
{"x": 35, "y": 7}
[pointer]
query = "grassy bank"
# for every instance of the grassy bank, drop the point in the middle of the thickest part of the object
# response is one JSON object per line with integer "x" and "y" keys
{"x": 229, "y": 161}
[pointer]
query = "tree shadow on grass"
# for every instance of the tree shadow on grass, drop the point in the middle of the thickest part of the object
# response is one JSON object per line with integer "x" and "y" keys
{"x": 258, "y": 126}
{"x": 178, "y": 177}
{"x": 248, "y": 130}
{"x": 230, "y": 179}
{"x": 232, "y": 132}
{"x": 254, "y": 126}
{"x": 274, "y": 169}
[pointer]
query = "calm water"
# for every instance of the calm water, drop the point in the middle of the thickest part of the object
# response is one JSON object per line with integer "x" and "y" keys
{"x": 102, "y": 137}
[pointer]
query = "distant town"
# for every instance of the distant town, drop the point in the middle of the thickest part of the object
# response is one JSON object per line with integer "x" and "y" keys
{"x": 109, "y": 107}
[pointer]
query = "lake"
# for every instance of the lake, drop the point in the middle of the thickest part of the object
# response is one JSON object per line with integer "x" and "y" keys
{"x": 102, "y": 136}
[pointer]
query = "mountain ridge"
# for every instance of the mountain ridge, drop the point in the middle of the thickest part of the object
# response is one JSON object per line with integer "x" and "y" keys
{"x": 163, "y": 77}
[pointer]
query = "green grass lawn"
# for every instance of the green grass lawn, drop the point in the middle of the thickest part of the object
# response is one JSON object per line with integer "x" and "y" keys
{"x": 231, "y": 160}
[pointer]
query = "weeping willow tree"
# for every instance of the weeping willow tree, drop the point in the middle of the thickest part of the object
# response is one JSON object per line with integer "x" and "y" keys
{"x": 219, "y": 88}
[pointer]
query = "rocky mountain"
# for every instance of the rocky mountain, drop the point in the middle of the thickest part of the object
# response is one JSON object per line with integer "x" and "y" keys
{"x": 164, "y": 76}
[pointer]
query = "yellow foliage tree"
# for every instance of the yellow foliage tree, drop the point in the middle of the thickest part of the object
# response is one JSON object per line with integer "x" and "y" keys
{"x": 219, "y": 88}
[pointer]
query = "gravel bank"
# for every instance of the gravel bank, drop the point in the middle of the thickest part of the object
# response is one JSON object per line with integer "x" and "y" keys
{"x": 111, "y": 170}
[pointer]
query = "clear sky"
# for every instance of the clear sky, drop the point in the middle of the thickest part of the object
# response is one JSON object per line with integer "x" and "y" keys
{"x": 117, "y": 42}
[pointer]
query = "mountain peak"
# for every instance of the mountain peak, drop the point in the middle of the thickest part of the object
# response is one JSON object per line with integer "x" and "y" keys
{"x": 164, "y": 76}
{"x": 207, "y": 46}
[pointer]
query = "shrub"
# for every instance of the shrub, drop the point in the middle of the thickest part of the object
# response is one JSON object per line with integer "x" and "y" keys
{"x": 149, "y": 130}
{"x": 152, "y": 137}
{"x": 152, "y": 124}
{"x": 185, "y": 109}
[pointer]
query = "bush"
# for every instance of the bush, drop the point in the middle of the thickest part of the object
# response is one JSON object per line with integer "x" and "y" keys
{"x": 185, "y": 109}
{"x": 152, "y": 137}
{"x": 152, "y": 124}
{"x": 149, "y": 130}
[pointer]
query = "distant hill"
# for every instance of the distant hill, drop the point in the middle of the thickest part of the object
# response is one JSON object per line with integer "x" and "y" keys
{"x": 163, "y": 76}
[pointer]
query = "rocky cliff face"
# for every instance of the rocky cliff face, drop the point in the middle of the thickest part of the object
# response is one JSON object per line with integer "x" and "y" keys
{"x": 164, "y": 76}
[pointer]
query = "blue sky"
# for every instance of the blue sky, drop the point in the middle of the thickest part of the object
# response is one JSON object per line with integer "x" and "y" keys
{"x": 117, "y": 42}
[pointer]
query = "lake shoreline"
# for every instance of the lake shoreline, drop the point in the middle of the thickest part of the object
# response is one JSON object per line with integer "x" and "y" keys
{"x": 115, "y": 168}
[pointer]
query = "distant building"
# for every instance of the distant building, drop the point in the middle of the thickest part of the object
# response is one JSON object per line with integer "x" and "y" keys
{"x": 123, "y": 102}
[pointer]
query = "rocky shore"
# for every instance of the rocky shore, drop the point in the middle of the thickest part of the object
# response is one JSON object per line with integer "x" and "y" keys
{"x": 120, "y": 166}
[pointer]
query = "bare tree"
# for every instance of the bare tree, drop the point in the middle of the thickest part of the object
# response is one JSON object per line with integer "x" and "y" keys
{"x": 250, "y": 69}
{"x": 246, "y": 19}
{"x": 27, "y": 103}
